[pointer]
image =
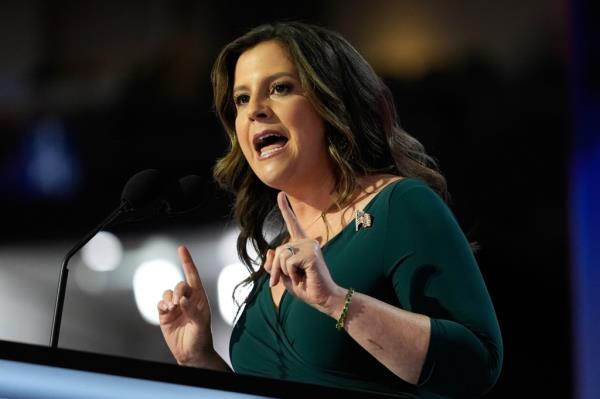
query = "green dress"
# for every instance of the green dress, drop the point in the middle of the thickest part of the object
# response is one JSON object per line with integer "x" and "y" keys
{"x": 415, "y": 257}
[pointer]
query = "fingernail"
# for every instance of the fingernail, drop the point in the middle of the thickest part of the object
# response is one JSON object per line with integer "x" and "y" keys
{"x": 271, "y": 281}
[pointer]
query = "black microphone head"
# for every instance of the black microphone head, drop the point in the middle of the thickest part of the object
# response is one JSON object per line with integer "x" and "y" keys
{"x": 185, "y": 195}
{"x": 143, "y": 188}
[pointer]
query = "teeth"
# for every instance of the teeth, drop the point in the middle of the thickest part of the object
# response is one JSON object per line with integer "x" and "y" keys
{"x": 265, "y": 153}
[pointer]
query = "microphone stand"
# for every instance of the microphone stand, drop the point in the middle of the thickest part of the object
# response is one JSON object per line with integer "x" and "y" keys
{"x": 64, "y": 272}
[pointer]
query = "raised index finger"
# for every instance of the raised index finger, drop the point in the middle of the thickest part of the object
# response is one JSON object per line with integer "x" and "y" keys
{"x": 293, "y": 226}
{"x": 189, "y": 269}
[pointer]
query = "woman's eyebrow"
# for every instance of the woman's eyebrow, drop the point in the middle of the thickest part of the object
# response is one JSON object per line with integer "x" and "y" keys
{"x": 269, "y": 78}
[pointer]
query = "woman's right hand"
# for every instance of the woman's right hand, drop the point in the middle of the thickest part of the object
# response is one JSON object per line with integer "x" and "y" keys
{"x": 184, "y": 315}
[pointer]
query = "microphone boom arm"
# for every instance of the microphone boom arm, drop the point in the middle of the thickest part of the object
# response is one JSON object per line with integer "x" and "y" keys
{"x": 64, "y": 272}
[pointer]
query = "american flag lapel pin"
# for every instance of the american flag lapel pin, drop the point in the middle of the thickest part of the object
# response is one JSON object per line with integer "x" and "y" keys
{"x": 362, "y": 219}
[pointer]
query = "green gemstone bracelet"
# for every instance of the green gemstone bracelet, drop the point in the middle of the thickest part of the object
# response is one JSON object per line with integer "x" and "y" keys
{"x": 340, "y": 323}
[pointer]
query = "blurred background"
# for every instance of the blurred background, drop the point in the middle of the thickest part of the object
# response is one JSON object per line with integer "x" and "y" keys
{"x": 92, "y": 92}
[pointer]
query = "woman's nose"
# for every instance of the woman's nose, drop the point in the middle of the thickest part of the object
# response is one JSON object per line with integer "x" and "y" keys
{"x": 259, "y": 109}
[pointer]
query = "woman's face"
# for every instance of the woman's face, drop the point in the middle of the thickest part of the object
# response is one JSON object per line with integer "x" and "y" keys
{"x": 280, "y": 133}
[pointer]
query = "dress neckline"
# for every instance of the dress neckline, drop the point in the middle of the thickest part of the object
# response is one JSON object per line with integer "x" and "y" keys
{"x": 364, "y": 209}
{"x": 278, "y": 308}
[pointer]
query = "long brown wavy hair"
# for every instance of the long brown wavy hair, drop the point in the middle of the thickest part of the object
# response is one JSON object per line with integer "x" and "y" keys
{"x": 362, "y": 130}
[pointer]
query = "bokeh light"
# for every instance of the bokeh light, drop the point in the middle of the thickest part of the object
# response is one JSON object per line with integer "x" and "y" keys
{"x": 103, "y": 252}
{"x": 230, "y": 276}
{"x": 149, "y": 282}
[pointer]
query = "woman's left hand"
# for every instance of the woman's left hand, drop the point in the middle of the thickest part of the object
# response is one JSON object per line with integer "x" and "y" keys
{"x": 300, "y": 266}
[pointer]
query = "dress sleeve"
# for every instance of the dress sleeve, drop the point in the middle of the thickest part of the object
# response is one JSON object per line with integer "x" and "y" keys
{"x": 434, "y": 272}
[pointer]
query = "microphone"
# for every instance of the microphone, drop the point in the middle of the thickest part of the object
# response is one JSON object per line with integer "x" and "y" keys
{"x": 184, "y": 196}
{"x": 175, "y": 198}
{"x": 143, "y": 188}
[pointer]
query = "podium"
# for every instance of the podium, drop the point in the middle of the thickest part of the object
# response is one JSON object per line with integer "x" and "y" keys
{"x": 41, "y": 372}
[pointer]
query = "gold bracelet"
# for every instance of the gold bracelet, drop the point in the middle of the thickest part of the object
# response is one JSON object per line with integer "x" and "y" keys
{"x": 340, "y": 323}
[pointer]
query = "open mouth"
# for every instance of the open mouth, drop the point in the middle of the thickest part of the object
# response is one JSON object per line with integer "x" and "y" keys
{"x": 269, "y": 143}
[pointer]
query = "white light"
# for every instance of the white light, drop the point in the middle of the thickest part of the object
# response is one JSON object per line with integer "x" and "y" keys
{"x": 228, "y": 247}
{"x": 229, "y": 277}
{"x": 150, "y": 281}
{"x": 103, "y": 253}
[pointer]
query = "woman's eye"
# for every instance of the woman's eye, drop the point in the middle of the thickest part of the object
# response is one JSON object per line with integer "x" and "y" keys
{"x": 241, "y": 99}
{"x": 281, "y": 88}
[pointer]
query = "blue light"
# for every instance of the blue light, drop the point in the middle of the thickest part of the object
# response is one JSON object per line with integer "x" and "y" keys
{"x": 52, "y": 169}
{"x": 23, "y": 380}
{"x": 584, "y": 196}
{"x": 585, "y": 256}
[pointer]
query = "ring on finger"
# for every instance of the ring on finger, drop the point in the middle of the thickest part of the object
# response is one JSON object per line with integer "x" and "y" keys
{"x": 290, "y": 248}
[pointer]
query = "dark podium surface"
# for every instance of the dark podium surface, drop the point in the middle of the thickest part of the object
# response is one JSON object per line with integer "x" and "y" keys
{"x": 30, "y": 371}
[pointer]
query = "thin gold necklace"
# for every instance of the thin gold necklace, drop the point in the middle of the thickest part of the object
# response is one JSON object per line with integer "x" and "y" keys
{"x": 323, "y": 216}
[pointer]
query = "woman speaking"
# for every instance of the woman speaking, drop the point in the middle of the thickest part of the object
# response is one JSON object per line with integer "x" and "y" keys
{"x": 371, "y": 283}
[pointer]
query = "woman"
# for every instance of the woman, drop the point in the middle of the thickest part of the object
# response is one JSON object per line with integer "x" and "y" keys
{"x": 368, "y": 246}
